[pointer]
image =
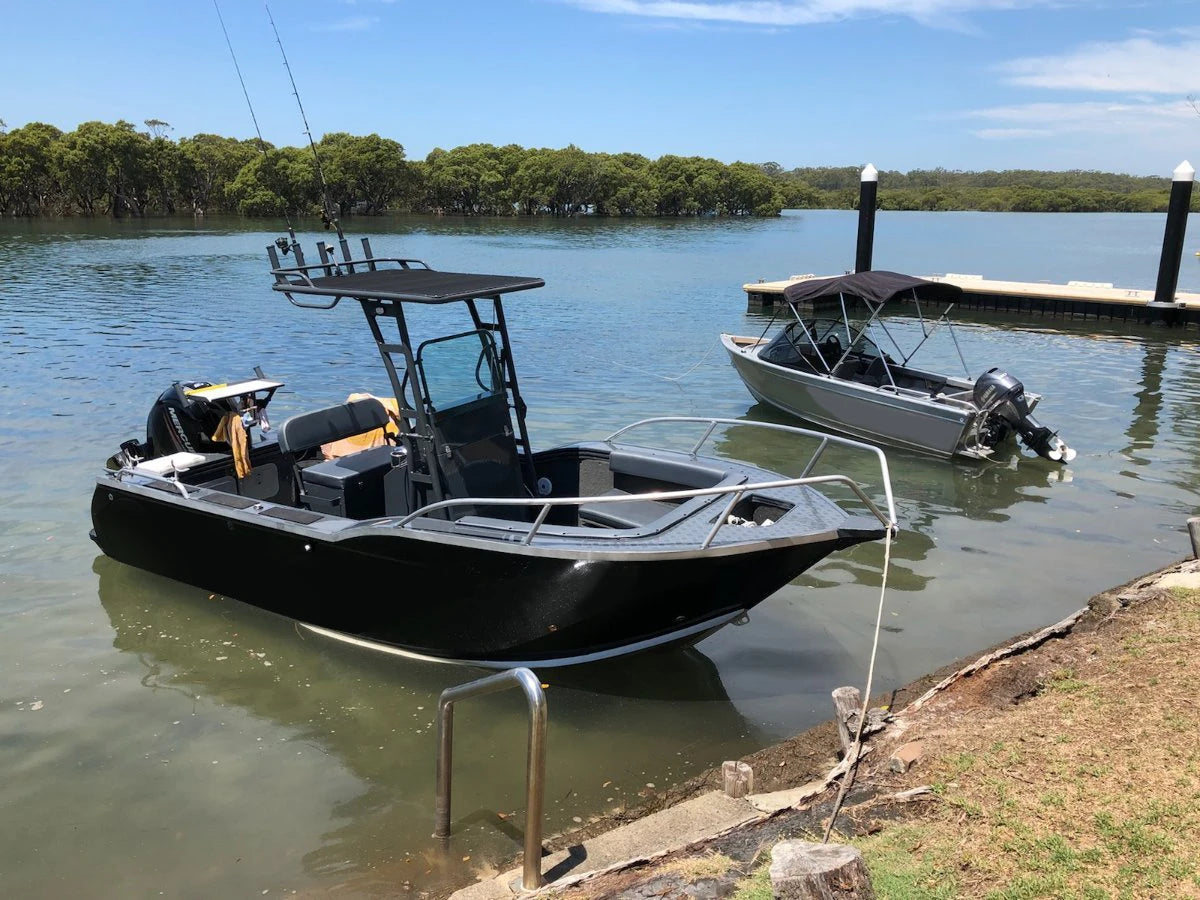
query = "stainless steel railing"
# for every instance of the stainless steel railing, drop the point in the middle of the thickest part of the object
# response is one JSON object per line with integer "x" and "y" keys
{"x": 737, "y": 490}
{"x": 825, "y": 441}
{"x": 535, "y": 777}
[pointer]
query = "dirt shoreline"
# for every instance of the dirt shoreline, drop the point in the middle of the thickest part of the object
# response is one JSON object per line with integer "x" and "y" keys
{"x": 963, "y": 706}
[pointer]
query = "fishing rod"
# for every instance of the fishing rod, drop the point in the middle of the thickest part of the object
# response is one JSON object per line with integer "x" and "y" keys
{"x": 283, "y": 245}
{"x": 328, "y": 217}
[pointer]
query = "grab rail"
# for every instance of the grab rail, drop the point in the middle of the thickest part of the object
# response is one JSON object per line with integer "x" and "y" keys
{"x": 154, "y": 476}
{"x": 535, "y": 777}
{"x": 824, "y": 438}
{"x": 286, "y": 285}
{"x": 738, "y": 490}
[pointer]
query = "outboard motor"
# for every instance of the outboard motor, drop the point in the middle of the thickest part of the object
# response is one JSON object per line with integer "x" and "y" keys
{"x": 178, "y": 422}
{"x": 1001, "y": 400}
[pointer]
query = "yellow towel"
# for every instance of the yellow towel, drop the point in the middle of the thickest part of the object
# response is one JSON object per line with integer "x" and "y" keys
{"x": 232, "y": 432}
{"x": 367, "y": 439}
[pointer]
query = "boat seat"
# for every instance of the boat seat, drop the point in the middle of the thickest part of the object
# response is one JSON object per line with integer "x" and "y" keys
{"x": 336, "y": 473}
{"x": 623, "y": 513}
{"x": 876, "y": 374}
{"x": 350, "y": 486}
{"x": 324, "y": 426}
{"x": 681, "y": 471}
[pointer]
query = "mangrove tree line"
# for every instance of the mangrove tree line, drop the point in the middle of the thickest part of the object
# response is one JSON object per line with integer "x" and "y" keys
{"x": 118, "y": 170}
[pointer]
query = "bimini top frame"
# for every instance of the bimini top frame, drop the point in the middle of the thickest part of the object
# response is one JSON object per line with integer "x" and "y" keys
{"x": 382, "y": 285}
{"x": 875, "y": 290}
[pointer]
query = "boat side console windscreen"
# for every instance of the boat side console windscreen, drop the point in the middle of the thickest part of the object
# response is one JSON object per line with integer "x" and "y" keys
{"x": 468, "y": 412}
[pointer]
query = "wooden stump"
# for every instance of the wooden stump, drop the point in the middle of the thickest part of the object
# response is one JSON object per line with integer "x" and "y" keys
{"x": 801, "y": 870}
{"x": 1193, "y": 525}
{"x": 739, "y": 778}
{"x": 848, "y": 702}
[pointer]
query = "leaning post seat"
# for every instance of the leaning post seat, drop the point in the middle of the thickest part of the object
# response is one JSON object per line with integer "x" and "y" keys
{"x": 351, "y": 486}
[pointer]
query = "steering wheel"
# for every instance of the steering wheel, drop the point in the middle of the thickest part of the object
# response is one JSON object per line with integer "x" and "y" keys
{"x": 832, "y": 345}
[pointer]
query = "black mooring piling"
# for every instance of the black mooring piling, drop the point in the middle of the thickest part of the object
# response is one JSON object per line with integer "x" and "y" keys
{"x": 868, "y": 186}
{"x": 1172, "y": 250}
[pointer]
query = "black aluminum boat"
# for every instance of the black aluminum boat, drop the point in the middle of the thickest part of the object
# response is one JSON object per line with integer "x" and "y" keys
{"x": 456, "y": 540}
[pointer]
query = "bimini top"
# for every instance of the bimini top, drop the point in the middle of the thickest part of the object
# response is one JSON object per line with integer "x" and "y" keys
{"x": 875, "y": 287}
{"x": 412, "y": 281}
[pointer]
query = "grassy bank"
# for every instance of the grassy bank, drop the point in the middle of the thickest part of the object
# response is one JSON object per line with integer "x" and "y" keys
{"x": 1089, "y": 789}
{"x": 1070, "y": 770}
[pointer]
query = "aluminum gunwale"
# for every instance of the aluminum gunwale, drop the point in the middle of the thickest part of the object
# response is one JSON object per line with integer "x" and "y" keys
{"x": 387, "y": 528}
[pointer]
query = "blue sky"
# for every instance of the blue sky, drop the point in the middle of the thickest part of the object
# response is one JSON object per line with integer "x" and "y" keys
{"x": 963, "y": 84}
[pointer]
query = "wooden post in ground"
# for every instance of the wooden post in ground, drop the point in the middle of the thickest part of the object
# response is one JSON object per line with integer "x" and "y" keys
{"x": 739, "y": 778}
{"x": 801, "y": 870}
{"x": 848, "y": 702}
{"x": 1194, "y": 534}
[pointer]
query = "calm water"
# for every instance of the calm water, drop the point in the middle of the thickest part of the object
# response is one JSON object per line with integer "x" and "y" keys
{"x": 155, "y": 739}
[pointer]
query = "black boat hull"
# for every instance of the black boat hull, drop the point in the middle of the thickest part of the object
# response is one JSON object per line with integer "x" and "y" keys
{"x": 452, "y": 600}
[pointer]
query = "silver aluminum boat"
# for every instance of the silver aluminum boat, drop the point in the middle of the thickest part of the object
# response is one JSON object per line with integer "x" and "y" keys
{"x": 832, "y": 373}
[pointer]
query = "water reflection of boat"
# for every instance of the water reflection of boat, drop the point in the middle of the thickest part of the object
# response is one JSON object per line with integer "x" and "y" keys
{"x": 686, "y": 676}
{"x": 372, "y": 716}
{"x": 459, "y": 542}
{"x": 834, "y": 374}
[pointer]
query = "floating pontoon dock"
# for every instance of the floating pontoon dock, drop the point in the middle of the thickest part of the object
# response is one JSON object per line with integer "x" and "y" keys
{"x": 1075, "y": 299}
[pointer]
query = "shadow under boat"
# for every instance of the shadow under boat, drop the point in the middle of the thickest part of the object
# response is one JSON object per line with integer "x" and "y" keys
{"x": 611, "y": 718}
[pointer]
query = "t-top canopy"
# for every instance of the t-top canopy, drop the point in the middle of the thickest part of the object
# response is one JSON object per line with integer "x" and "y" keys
{"x": 418, "y": 285}
{"x": 876, "y": 287}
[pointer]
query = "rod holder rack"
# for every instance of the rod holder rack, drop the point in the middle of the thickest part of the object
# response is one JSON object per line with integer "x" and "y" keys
{"x": 535, "y": 779}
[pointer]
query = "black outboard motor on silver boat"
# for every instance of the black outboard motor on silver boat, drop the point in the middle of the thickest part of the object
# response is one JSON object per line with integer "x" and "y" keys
{"x": 179, "y": 422}
{"x": 1002, "y": 404}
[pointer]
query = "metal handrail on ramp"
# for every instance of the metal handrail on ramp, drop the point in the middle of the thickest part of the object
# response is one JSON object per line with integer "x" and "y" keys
{"x": 535, "y": 778}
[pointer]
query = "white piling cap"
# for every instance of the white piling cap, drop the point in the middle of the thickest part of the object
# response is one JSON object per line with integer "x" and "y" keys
{"x": 870, "y": 173}
{"x": 1183, "y": 172}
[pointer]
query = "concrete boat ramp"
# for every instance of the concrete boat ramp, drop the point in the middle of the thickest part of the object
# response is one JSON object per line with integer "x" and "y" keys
{"x": 656, "y": 835}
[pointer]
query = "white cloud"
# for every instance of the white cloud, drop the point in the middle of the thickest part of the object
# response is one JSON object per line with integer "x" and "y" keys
{"x": 1111, "y": 120}
{"x": 1140, "y": 64}
{"x": 801, "y": 12}
{"x": 353, "y": 23}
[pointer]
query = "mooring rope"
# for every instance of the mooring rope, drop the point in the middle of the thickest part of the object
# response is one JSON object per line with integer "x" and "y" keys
{"x": 855, "y": 747}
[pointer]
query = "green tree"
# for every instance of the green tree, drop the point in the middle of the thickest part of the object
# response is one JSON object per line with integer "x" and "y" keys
{"x": 277, "y": 182}
{"x": 747, "y": 190}
{"x": 208, "y": 165}
{"x": 29, "y": 178}
{"x": 369, "y": 170}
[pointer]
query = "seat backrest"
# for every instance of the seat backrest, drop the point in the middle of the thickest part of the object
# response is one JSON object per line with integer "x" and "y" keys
{"x": 323, "y": 426}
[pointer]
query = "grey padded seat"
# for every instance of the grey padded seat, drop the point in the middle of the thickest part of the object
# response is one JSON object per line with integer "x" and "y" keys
{"x": 656, "y": 470}
{"x": 673, "y": 470}
{"x": 322, "y": 426}
{"x": 336, "y": 472}
{"x": 624, "y": 513}
{"x": 351, "y": 486}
